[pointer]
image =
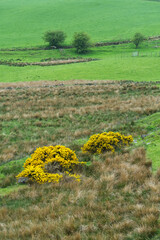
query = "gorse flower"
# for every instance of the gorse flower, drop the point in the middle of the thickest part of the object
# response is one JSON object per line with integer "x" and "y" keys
{"x": 49, "y": 164}
{"x": 110, "y": 141}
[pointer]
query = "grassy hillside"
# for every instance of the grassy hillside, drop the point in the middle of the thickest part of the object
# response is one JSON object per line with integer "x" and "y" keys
{"x": 150, "y": 138}
{"x": 34, "y": 115}
{"x": 113, "y": 199}
{"x": 119, "y": 193}
{"x": 23, "y": 22}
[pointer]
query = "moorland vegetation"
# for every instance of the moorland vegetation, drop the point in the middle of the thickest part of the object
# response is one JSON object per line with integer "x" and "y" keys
{"x": 50, "y": 164}
{"x": 105, "y": 134}
{"x": 117, "y": 197}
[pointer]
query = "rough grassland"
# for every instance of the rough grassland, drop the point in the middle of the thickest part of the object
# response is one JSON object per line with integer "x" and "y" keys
{"x": 23, "y": 22}
{"x": 118, "y": 197}
{"x": 43, "y": 113}
{"x": 113, "y": 201}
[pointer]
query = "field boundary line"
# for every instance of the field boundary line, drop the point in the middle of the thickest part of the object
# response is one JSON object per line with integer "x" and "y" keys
{"x": 47, "y": 63}
{"x": 98, "y": 44}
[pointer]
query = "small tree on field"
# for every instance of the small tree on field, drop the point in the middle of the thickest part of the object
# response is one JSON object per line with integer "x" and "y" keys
{"x": 81, "y": 42}
{"x": 54, "y": 38}
{"x": 137, "y": 39}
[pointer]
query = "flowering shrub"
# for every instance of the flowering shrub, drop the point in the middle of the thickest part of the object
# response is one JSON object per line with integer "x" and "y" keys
{"x": 110, "y": 141}
{"x": 49, "y": 164}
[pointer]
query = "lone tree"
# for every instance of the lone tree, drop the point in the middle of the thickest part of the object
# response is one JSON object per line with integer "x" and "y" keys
{"x": 137, "y": 39}
{"x": 54, "y": 38}
{"x": 81, "y": 42}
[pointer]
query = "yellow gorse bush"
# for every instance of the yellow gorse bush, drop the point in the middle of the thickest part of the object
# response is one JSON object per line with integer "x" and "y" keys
{"x": 50, "y": 164}
{"x": 107, "y": 141}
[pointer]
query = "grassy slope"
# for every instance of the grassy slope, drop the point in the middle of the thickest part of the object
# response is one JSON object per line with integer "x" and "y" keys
{"x": 37, "y": 116}
{"x": 23, "y": 22}
{"x": 151, "y": 142}
{"x": 151, "y": 139}
{"x": 8, "y": 173}
{"x": 113, "y": 201}
{"x": 113, "y": 69}
{"x": 112, "y": 65}
{"x": 116, "y": 63}
{"x": 68, "y": 114}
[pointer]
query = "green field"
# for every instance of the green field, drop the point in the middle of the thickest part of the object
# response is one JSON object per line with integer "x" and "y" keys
{"x": 23, "y": 23}
{"x": 151, "y": 139}
{"x": 114, "y": 63}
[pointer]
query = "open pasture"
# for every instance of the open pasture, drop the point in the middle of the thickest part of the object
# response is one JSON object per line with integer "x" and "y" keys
{"x": 114, "y": 63}
{"x": 23, "y": 23}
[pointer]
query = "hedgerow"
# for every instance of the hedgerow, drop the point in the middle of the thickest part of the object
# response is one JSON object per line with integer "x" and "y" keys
{"x": 50, "y": 164}
{"x": 111, "y": 141}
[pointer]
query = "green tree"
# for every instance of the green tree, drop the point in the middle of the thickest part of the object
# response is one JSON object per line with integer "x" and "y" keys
{"x": 54, "y": 38}
{"x": 81, "y": 42}
{"x": 137, "y": 39}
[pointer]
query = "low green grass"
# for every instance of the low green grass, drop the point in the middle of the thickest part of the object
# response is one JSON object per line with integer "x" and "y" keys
{"x": 111, "y": 69}
{"x": 12, "y": 167}
{"x": 151, "y": 139}
{"x": 151, "y": 123}
{"x": 8, "y": 172}
{"x": 115, "y": 63}
{"x": 10, "y": 189}
{"x": 23, "y": 22}
{"x": 145, "y": 49}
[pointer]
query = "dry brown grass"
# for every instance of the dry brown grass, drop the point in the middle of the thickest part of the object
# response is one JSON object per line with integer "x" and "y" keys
{"x": 119, "y": 200}
{"x": 45, "y": 112}
{"x": 48, "y": 63}
{"x": 118, "y": 197}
